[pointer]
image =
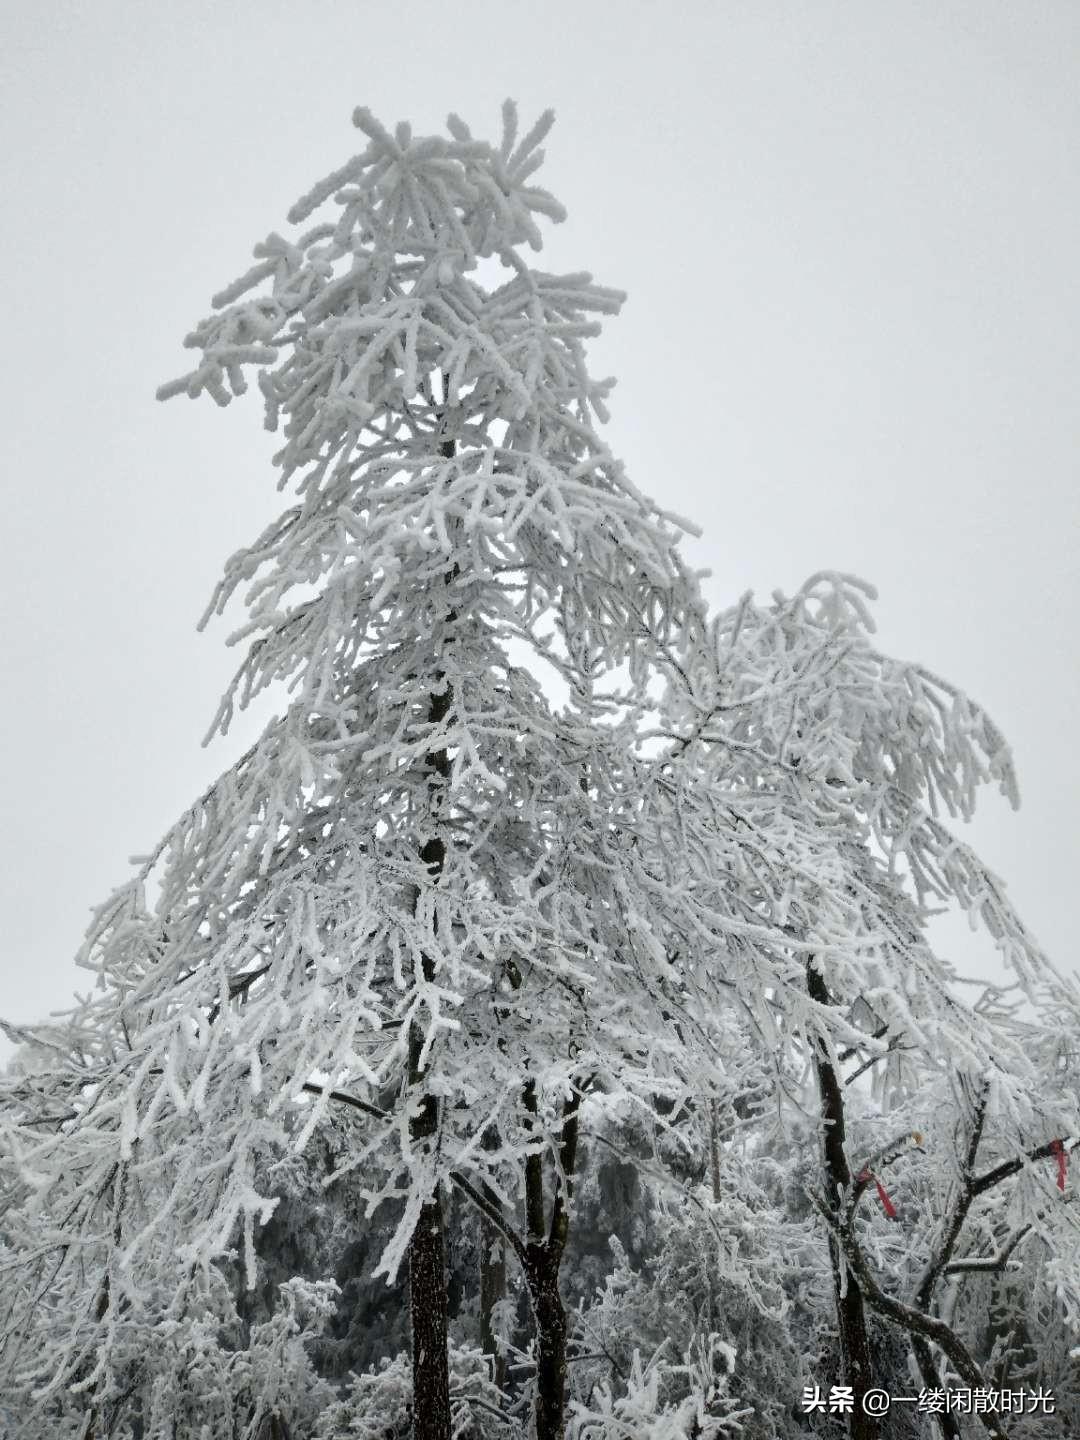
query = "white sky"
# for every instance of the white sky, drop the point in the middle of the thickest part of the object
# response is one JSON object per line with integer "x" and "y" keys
{"x": 849, "y": 234}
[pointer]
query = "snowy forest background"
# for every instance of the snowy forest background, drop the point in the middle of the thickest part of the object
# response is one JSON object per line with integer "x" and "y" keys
{"x": 697, "y": 1272}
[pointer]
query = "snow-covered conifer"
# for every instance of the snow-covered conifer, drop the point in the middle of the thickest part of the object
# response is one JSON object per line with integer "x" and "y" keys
{"x": 423, "y": 894}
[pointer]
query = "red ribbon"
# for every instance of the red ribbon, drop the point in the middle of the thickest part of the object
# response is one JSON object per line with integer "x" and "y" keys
{"x": 887, "y": 1205}
{"x": 1058, "y": 1149}
{"x": 883, "y": 1194}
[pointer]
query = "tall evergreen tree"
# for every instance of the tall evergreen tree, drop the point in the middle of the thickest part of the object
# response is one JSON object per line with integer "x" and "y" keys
{"x": 422, "y": 893}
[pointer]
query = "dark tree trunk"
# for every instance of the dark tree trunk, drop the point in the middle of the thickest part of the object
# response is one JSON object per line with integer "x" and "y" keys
{"x": 543, "y": 1260}
{"x": 855, "y": 1357}
{"x": 550, "y": 1315}
{"x": 427, "y": 1305}
{"x": 427, "y": 1281}
{"x": 931, "y": 1378}
{"x": 427, "y": 1257}
{"x": 427, "y": 1287}
{"x": 492, "y": 1280}
{"x": 428, "y": 1301}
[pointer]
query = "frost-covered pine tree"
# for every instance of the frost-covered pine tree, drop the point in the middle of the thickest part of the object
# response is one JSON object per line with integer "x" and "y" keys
{"x": 423, "y": 894}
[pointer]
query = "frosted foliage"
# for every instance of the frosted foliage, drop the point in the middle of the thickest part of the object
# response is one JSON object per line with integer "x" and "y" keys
{"x": 298, "y": 936}
{"x": 421, "y": 881}
{"x": 426, "y": 892}
{"x": 707, "y": 1413}
{"x": 813, "y": 733}
{"x": 434, "y": 427}
{"x": 378, "y": 1404}
{"x": 711, "y": 1308}
{"x": 170, "y": 1338}
{"x": 1021, "y": 1235}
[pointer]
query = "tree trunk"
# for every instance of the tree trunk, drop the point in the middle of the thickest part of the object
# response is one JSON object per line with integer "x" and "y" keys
{"x": 428, "y": 1301}
{"x": 427, "y": 1306}
{"x": 931, "y": 1378}
{"x": 551, "y": 1331}
{"x": 427, "y": 1277}
{"x": 492, "y": 1290}
{"x": 543, "y": 1260}
{"x": 427, "y": 1284}
{"x": 855, "y": 1359}
{"x": 427, "y": 1250}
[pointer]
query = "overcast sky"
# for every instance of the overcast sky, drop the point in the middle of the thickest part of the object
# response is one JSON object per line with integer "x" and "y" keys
{"x": 849, "y": 233}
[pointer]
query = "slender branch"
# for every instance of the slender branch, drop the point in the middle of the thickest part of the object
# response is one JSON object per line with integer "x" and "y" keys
{"x": 481, "y": 1404}
{"x": 491, "y": 1213}
{"x": 993, "y": 1177}
{"x": 988, "y": 1263}
{"x": 961, "y": 1205}
{"x": 894, "y": 1046}
{"x": 853, "y": 1050}
{"x": 343, "y": 1098}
